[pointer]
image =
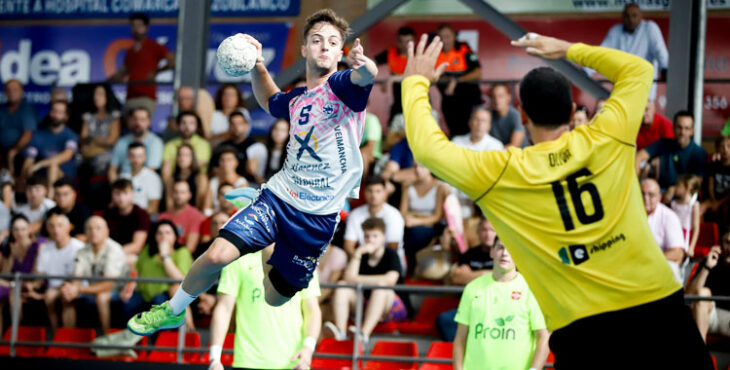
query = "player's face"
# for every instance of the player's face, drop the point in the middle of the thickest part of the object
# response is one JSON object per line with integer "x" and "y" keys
{"x": 502, "y": 258}
{"x": 480, "y": 123}
{"x": 652, "y": 195}
{"x": 375, "y": 195}
{"x": 323, "y": 47}
{"x": 188, "y": 126}
{"x": 501, "y": 98}
{"x": 65, "y": 197}
{"x": 375, "y": 237}
{"x": 96, "y": 231}
{"x": 137, "y": 157}
{"x": 683, "y": 130}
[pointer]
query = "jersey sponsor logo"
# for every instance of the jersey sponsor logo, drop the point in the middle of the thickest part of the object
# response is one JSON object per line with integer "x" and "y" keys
{"x": 303, "y": 195}
{"x": 296, "y": 167}
{"x": 330, "y": 110}
{"x": 516, "y": 295}
{"x": 322, "y": 182}
{"x": 310, "y": 263}
{"x": 255, "y": 294}
{"x": 341, "y": 152}
{"x": 498, "y": 332}
{"x": 578, "y": 254}
{"x": 560, "y": 158}
{"x": 304, "y": 142}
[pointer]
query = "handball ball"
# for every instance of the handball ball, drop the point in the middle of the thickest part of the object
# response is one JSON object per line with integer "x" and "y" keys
{"x": 236, "y": 56}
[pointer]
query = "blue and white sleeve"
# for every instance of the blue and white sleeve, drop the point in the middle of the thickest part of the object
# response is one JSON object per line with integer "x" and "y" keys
{"x": 279, "y": 102}
{"x": 354, "y": 96}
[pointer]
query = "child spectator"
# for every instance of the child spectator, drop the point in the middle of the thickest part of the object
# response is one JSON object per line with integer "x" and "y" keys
{"x": 687, "y": 208}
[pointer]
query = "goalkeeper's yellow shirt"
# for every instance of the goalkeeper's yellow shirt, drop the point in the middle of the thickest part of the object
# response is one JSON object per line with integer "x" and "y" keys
{"x": 569, "y": 211}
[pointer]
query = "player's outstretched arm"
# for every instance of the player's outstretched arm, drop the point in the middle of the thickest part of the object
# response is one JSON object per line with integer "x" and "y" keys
{"x": 470, "y": 171}
{"x": 632, "y": 76}
{"x": 364, "y": 68}
{"x": 263, "y": 85}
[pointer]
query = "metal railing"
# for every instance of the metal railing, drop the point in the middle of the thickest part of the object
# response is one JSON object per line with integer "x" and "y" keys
{"x": 356, "y": 357}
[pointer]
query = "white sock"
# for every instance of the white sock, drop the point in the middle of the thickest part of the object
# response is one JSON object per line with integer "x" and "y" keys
{"x": 180, "y": 301}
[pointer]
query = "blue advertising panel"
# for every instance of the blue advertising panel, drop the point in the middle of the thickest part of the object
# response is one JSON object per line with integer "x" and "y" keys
{"x": 44, "y": 56}
{"x": 96, "y": 9}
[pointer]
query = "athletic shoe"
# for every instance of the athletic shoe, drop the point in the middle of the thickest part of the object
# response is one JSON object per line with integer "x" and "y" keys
{"x": 158, "y": 318}
{"x": 336, "y": 333}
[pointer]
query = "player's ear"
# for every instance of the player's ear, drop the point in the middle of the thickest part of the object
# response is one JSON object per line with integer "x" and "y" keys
{"x": 304, "y": 51}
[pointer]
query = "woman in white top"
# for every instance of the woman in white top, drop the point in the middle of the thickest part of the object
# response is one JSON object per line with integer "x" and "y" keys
{"x": 422, "y": 207}
{"x": 227, "y": 100}
{"x": 227, "y": 164}
{"x": 686, "y": 206}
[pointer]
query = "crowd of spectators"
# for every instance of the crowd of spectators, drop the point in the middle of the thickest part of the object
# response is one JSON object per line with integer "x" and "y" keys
{"x": 114, "y": 199}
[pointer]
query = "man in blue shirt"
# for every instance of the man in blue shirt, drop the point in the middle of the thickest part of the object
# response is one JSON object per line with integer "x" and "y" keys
{"x": 52, "y": 148}
{"x": 17, "y": 121}
{"x": 677, "y": 156}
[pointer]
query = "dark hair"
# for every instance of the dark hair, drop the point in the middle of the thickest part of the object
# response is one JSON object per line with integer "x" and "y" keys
{"x": 582, "y": 108}
{"x": 141, "y": 16}
{"x": 122, "y": 184}
{"x": 198, "y": 121}
{"x": 237, "y": 113}
{"x": 152, "y": 242}
{"x": 11, "y": 238}
{"x": 270, "y": 147}
{"x": 64, "y": 181}
{"x": 36, "y": 179}
{"x": 55, "y": 211}
{"x": 374, "y": 180}
{"x": 444, "y": 26}
{"x": 720, "y": 140}
{"x": 132, "y": 110}
{"x": 683, "y": 113}
{"x": 224, "y": 183}
{"x": 478, "y": 108}
{"x": 406, "y": 31}
{"x": 226, "y": 149}
{"x": 373, "y": 223}
{"x": 219, "y": 96}
{"x": 111, "y": 104}
{"x": 546, "y": 97}
{"x": 194, "y": 165}
{"x": 135, "y": 144}
{"x": 500, "y": 84}
{"x": 62, "y": 102}
{"x": 327, "y": 16}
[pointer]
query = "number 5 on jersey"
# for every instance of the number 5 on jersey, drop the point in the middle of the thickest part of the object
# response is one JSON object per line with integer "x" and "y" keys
{"x": 304, "y": 114}
{"x": 575, "y": 191}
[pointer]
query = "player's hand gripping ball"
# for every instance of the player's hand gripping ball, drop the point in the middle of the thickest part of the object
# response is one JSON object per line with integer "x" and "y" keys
{"x": 236, "y": 56}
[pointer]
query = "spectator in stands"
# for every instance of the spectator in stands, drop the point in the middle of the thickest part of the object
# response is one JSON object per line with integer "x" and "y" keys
{"x": 20, "y": 251}
{"x": 187, "y": 168}
{"x": 138, "y": 121}
{"x": 580, "y": 117}
{"x": 500, "y": 323}
{"x": 162, "y": 257}
{"x": 187, "y": 100}
{"x": 640, "y": 37}
{"x": 370, "y": 144}
{"x": 146, "y": 183}
{"x": 375, "y": 196}
{"x": 422, "y": 207}
{"x": 227, "y": 164}
{"x": 141, "y": 66}
{"x": 654, "y": 126}
{"x": 100, "y": 130}
{"x": 330, "y": 269}
{"x": 396, "y": 171}
{"x": 599, "y": 106}
{"x": 18, "y": 120}
{"x": 676, "y": 156}
{"x": 506, "y": 120}
{"x": 189, "y": 124}
{"x": 266, "y": 337}
{"x": 57, "y": 257}
{"x": 711, "y": 279}
{"x": 100, "y": 257}
{"x": 665, "y": 226}
{"x": 476, "y": 262}
{"x": 64, "y": 195}
{"x": 396, "y": 57}
{"x": 276, "y": 144}
{"x": 371, "y": 264}
{"x": 459, "y": 84}
{"x": 687, "y": 207}
{"x": 128, "y": 223}
{"x": 225, "y": 207}
{"x": 211, "y": 226}
{"x": 250, "y": 153}
{"x": 51, "y": 150}
{"x": 38, "y": 203}
{"x": 718, "y": 185}
{"x": 185, "y": 216}
{"x": 228, "y": 99}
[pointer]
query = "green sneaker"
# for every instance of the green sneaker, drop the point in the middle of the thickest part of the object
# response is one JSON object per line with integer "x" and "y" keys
{"x": 160, "y": 317}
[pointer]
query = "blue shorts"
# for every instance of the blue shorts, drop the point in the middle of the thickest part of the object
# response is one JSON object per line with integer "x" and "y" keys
{"x": 300, "y": 238}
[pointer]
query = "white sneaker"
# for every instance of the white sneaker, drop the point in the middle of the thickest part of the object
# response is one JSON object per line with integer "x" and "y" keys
{"x": 363, "y": 338}
{"x": 336, "y": 333}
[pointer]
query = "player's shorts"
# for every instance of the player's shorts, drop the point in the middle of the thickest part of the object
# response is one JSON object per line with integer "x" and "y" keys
{"x": 300, "y": 239}
{"x": 720, "y": 321}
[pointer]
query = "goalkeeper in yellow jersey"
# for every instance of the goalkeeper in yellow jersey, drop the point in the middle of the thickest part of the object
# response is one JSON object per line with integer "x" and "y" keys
{"x": 569, "y": 210}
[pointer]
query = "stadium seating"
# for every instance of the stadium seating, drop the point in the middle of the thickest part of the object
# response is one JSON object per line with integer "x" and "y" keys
{"x": 393, "y": 348}
{"x": 25, "y": 333}
{"x": 332, "y": 346}
{"x": 169, "y": 339}
{"x": 439, "y": 350}
{"x": 707, "y": 238}
{"x": 226, "y": 358}
{"x": 72, "y": 335}
{"x": 425, "y": 321}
